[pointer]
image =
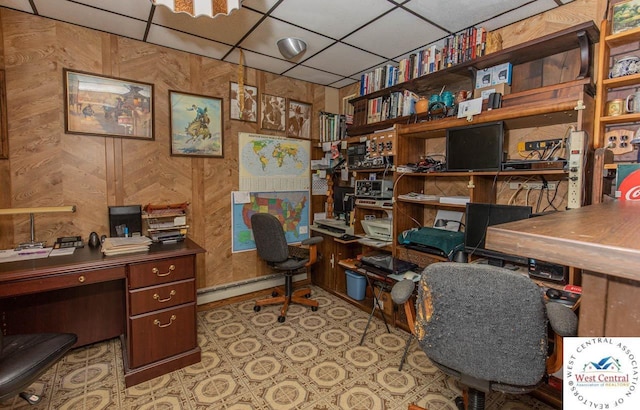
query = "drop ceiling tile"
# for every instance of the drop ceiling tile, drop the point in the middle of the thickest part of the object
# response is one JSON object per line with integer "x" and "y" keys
{"x": 226, "y": 29}
{"x": 260, "y": 5}
{"x": 136, "y": 9}
{"x": 22, "y": 5}
{"x": 343, "y": 59}
{"x": 343, "y": 83}
{"x": 396, "y": 33}
{"x": 86, "y": 16}
{"x": 186, "y": 42}
{"x": 447, "y": 15}
{"x": 333, "y": 18}
{"x": 259, "y": 61}
{"x": 521, "y": 13}
{"x": 263, "y": 39}
{"x": 312, "y": 75}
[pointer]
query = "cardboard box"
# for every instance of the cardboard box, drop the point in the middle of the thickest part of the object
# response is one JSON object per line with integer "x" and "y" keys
{"x": 501, "y": 74}
{"x": 484, "y": 92}
{"x": 483, "y": 77}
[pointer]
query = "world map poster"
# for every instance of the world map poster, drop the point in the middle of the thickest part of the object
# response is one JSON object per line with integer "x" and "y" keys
{"x": 270, "y": 163}
{"x": 291, "y": 208}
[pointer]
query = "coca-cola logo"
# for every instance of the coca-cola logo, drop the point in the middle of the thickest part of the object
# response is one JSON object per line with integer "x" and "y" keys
{"x": 633, "y": 193}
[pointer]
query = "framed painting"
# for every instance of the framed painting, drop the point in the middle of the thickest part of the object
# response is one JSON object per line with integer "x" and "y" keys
{"x": 298, "y": 119}
{"x": 250, "y": 110}
{"x": 107, "y": 106}
{"x": 272, "y": 112}
{"x": 625, "y": 16}
{"x": 196, "y": 125}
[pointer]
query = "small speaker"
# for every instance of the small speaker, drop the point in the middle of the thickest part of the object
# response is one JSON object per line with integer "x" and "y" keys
{"x": 495, "y": 101}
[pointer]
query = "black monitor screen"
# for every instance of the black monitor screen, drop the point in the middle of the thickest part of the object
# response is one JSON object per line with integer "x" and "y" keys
{"x": 475, "y": 147}
{"x": 342, "y": 200}
{"x": 478, "y": 217}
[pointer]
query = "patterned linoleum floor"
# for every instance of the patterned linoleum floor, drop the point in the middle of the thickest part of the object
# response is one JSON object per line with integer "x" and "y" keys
{"x": 250, "y": 361}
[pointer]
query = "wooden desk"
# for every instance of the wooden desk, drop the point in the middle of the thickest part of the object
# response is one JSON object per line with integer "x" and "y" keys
{"x": 148, "y": 299}
{"x": 603, "y": 240}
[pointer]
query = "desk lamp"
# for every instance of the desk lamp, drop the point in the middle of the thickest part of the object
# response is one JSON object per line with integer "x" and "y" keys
{"x": 31, "y": 212}
{"x": 442, "y": 223}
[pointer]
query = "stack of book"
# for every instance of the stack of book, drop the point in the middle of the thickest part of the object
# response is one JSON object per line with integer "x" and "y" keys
{"x": 119, "y": 246}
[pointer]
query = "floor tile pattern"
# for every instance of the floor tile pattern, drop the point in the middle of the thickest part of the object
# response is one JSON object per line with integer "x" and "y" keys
{"x": 250, "y": 361}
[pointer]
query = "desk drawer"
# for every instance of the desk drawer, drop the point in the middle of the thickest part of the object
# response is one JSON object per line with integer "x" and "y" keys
{"x": 161, "y": 297}
{"x": 63, "y": 281}
{"x": 158, "y": 335}
{"x": 161, "y": 271}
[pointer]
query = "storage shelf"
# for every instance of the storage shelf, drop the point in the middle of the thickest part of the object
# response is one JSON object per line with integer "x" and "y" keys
{"x": 625, "y": 37}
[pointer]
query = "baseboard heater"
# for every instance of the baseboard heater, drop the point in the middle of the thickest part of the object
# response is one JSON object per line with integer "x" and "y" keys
{"x": 228, "y": 290}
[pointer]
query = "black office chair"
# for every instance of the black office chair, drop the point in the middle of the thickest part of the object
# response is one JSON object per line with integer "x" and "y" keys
{"x": 487, "y": 327}
{"x": 273, "y": 248}
{"x": 24, "y": 358}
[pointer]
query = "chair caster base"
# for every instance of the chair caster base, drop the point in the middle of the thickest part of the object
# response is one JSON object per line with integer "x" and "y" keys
{"x": 314, "y": 308}
{"x": 281, "y": 319}
{"x": 30, "y": 398}
{"x": 256, "y": 308}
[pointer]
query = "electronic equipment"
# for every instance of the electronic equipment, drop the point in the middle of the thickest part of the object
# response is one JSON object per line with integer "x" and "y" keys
{"x": 69, "y": 242}
{"x": 577, "y": 156}
{"x": 434, "y": 241}
{"x": 375, "y": 203}
{"x": 478, "y": 217}
{"x": 356, "y": 154}
{"x": 475, "y": 147}
{"x": 378, "y": 188}
{"x": 334, "y": 226}
{"x": 548, "y": 271}
{"x": 533, "y": 164}
{"x": 129, "y": 217}
{"x": 343, "y": 198}
{"x": 378, "y": 228}
{"x": 386, "y": 263}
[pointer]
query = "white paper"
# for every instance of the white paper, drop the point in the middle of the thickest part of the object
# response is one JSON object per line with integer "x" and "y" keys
{"x": 62, "y": 251}
{"x": 241, "y": 197}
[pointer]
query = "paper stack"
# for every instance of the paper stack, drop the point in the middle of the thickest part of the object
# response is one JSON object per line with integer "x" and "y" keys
{"x": 118, "y": 246}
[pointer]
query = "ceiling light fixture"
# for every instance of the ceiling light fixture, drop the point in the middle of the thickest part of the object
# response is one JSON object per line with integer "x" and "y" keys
{"x": 290, "y": 47}
{"x": 195, "y": 8}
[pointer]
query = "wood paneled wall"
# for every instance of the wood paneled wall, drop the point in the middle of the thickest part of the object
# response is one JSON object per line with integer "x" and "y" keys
{"x": 48, "y": 167}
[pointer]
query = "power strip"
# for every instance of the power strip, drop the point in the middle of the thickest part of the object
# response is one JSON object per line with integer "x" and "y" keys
{"x": 577, "y": 148}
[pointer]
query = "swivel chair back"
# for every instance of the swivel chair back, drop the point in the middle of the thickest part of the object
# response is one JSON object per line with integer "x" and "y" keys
{"x": 272, "y": 247}
{"x": 486, "y": 326}
{"x": 24, "y": 358}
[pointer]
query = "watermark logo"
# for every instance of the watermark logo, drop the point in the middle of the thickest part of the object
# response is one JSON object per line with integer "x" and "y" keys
{"x": 601, "y": 373}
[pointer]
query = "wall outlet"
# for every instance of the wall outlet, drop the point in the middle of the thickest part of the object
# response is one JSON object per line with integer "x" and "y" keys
{"x": 541, "y": 144}
{"x": 531, "y": 185}
{"x": 577, "y": 150}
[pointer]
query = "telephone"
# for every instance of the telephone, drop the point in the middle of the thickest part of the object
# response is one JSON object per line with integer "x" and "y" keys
{"x": 69, "y": 242}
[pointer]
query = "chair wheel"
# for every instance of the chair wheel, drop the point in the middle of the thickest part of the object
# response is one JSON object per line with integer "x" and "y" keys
{"x": 308, "y": 295}
{"x": 281, "y": 319}
{"x": 256, "y": 308}
{"x": 314, "y": 308}
{"x": 274, "y": 294}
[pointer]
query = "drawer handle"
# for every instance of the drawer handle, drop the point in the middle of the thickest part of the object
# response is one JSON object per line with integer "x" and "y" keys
{"x": 156, "y": 271}
{"x": 171, "y": 319}
{"x": 81, "y": 279}
{"x": 157, "y": 297}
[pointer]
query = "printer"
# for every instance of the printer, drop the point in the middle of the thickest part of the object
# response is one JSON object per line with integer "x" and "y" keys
{"x": 433, "y": 240}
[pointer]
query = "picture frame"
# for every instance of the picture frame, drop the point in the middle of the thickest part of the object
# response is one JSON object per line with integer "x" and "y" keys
{"x": 625, "y": 16}
{"x": 4, "y": 135}
{"x": 195, "y": 123}
{"x": 299, "y": 119}
{"x": 272, "y": 112}
{"x": 251, "y": 103}
{"x": 107, "y": 106}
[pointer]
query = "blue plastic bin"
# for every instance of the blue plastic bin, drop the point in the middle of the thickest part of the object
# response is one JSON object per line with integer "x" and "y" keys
{"x": 356, "y": 285}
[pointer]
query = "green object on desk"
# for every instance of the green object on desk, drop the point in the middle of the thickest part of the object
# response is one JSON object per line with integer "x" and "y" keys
{"x": 446, "y": 241}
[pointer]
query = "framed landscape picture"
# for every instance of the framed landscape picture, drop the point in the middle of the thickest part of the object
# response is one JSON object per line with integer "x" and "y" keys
{"x": 107, "y": 106}
{"x": 298, "y": 119}
{"x": 196, "y": 125}
{"x": 250, "y": 110}
{"x": 272, "y": 112}
{"x": 625, "y": 16}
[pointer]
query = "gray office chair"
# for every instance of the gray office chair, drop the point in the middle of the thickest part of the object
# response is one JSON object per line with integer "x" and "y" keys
{"x": 272, "y": 247}
{"x": 24, "y": 358}
{"x": 487, "y": 327}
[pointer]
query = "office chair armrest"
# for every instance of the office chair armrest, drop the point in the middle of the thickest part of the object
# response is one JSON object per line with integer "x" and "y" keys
{"x": 562, "y": 319}
{"x": 401, "y": 291}
{"x": 314, "y": 240}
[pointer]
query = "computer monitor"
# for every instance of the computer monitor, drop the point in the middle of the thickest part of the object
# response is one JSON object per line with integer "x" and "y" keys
{"x": 342, "y": 200}
{"x": 478, "y": 217}
{"x": 475, "y": 147}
